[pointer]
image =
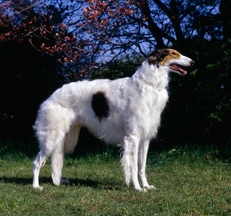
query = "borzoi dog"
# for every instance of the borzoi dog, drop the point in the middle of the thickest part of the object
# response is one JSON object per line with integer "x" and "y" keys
{"x": 124, "y": 111}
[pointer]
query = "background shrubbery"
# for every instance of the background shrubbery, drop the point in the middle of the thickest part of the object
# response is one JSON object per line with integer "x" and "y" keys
{"x": 198, "y": 111}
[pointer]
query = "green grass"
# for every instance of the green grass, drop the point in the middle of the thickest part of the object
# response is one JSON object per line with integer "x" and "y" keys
{"x": 187, "y": 184}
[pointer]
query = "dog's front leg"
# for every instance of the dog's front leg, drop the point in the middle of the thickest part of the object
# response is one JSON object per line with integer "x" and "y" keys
{"x": 130, "y": 161}
{"x": 142, "y": 160}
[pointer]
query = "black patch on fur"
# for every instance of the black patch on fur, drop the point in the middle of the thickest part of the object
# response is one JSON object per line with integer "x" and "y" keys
{"x": 157, "y": 56}
{"x": 100, "y": 105}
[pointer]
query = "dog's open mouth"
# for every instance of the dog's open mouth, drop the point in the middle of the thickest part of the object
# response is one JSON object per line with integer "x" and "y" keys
{"x": 179, "y": 69}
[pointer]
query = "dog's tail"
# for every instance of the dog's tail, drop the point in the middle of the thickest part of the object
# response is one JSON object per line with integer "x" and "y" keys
{"x": 71, "y": 138}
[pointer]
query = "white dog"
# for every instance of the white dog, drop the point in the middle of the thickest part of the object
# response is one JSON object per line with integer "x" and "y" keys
{"x": 125, "y": 111}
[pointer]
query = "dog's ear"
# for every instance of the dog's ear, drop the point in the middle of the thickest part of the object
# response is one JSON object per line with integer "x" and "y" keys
{"x": 157, "y": 56}
{"x": 162, "y": 53}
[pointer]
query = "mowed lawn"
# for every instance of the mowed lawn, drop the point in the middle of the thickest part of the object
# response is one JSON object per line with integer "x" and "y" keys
{"x": 189, "y": 182}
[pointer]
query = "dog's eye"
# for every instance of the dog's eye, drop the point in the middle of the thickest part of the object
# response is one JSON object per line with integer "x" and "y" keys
{"x": 173, "y": 53}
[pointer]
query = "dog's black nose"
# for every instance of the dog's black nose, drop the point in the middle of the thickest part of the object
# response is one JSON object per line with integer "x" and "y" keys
{"x": 192, "y": 63}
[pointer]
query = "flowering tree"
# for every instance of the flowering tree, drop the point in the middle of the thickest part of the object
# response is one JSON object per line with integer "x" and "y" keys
{"x": 130, "y": 26}
{"x": 72, "y": 30}
{"x": 42, "y": 26}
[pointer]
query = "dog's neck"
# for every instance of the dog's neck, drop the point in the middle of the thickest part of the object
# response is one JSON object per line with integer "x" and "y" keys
{"x": 155, "y": 76}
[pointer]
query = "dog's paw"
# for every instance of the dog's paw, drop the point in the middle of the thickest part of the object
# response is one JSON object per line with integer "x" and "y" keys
{"x": 37, "y": 187}
{"x": 150, "y": 187}
{"x": 142, "y": 190}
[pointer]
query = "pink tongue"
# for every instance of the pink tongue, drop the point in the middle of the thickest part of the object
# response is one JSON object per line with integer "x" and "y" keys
{"x": 182, "y": 71}
{"x": 174, "y": 67}
{"x": 179, "y": 69}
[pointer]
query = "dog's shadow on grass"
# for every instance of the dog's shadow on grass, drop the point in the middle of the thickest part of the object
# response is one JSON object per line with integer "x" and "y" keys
{"x": 82, "y": 182}
{"x": 109, "y": 185}
{"x": 71, "y": 182}
{"x": 16, "y": 180}
{"x": 47, "y": 180}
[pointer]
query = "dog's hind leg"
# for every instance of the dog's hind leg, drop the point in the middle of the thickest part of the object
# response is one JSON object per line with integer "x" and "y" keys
{"x": 65, "y": 145}
{"x": 142, "y": 160}
{"x": 54, "y": 148}
{"x": 57, "y": 159}
{"x": 130, "y": 161}
{"x": 39, "y": 161}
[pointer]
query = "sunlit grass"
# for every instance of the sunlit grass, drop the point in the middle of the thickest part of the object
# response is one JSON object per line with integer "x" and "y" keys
{"x": 188, "y": 181}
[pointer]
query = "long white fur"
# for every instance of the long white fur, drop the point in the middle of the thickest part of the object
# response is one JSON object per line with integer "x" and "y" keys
{"x": 135, "y": 107}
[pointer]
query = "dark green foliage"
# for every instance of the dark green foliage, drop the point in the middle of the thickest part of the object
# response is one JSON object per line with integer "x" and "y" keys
{"x": 28, "y": 77}
{"x": 118, "y": 68}
{"x": 198, "y": 110}
{"x": 199, "y": 107}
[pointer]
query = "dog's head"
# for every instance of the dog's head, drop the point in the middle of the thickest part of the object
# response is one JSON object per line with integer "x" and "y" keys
{"x": 172, "y": 59}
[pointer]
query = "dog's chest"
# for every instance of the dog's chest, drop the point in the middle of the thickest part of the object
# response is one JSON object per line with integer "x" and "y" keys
{"x": 151, "y": 115}
{"x": 154, "y": 101}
